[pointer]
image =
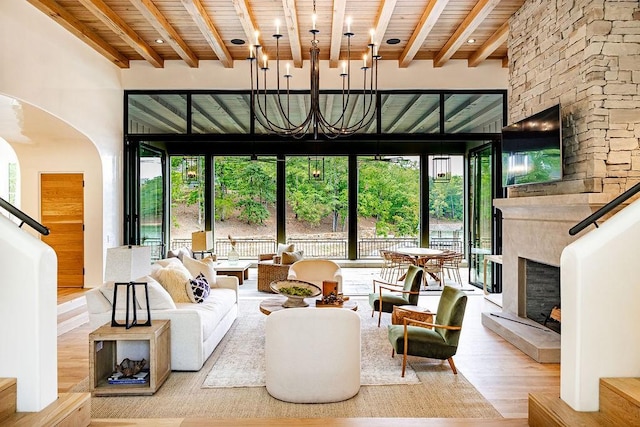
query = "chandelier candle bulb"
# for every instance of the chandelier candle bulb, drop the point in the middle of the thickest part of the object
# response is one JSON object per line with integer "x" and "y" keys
{"x": 349, "y": 25}
{"x": 257, "y": 38}
{"x": 373, "y": 34}
{"x": 314, "y": 18}
{"x": 364, "y": 60}
{"x": 344, "y": 68}
{"x": 288, "y": 74}
{"x": 264, "y": 62}
{"x": 277, "y": 27}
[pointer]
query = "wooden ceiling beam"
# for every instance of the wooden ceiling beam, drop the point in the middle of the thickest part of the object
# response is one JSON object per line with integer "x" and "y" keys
{"x": 243, "y": 10}
{"x": 80, "y": 30}
{"x": 496, "y": 40}
{"x": 478, "y": 14}
{"x": 425, "y": 25}
{"x": 385, "y": 12}
{"x": 293, "y": 31}
{"x": 209, "y": 31}
{"x": 337, "y": 31}
{"x": 166, "y": 31}
{"x": 116, "y": 24}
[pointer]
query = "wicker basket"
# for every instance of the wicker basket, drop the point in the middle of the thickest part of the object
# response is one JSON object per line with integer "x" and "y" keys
{"x": 269, "y": 272}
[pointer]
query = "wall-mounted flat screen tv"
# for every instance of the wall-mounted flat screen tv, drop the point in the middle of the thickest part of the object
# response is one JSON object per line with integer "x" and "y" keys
{"x": 532, "y": 149}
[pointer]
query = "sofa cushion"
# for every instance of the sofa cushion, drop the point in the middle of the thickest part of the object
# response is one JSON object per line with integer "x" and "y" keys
{"x": 213, "y": 309}
{"x": 166, "y": 262}
{"x": 107, "y": 291}
{"x": 180, "y": 253}
{"x": 159, "y": 298}
{"x": 289, "y": 258}
{"x": 175, "y": 281}
{"x": 198, "y": 289}
{"x": 204, "y": 266}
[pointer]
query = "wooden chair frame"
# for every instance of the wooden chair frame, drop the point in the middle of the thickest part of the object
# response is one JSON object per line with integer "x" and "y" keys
{"x": 406, "y": 321}
{"x": 390, "y": 287}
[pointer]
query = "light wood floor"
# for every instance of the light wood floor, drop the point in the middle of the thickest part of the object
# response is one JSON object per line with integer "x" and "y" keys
{"x": 502, "y": 373}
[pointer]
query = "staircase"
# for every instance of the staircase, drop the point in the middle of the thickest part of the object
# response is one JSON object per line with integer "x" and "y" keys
{"x": 72, "y": 313}
{"x": 619, "y": 406}
{"x": 70, "y": 409}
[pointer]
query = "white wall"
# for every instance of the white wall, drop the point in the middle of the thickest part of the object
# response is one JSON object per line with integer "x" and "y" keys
{"x": 28, "y": 331}
{"x": 419, "y": 75}
{"x": 600, "y": 317}
{"x": 45, "y": 66}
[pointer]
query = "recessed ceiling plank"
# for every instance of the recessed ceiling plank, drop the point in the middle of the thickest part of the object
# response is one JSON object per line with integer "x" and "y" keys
{"x": 105, "y": 14}
{"x": 166, "y": 31}
{"x": 80, "y": 30}
{"x": 496, "y": 40}
{"x": 480, "y": 11}
{"x": 425, "y": 25}
{"x": 209, "y": 31}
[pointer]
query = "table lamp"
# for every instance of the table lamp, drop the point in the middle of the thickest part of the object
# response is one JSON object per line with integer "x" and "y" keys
{"x": 125, "y": 264}
{"x": 201, "y": 241}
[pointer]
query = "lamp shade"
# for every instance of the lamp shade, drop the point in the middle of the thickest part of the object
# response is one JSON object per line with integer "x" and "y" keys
{"x": 201, "y": 240}
{"x": 127, "y": 263}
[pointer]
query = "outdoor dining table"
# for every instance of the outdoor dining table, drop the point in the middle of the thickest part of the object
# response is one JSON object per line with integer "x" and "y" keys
{"x": 416, "y": 253}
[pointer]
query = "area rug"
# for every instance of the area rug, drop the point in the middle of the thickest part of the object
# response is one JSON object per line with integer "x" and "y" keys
{"x": 439, "y": 394}
{"x": 240, "y": 362}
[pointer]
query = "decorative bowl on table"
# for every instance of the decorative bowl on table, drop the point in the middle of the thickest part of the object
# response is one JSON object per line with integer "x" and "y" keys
{"x": 295, "y": 291}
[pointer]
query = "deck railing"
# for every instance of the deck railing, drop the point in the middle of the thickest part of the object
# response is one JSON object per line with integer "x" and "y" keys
{"x": 313, "y": 248}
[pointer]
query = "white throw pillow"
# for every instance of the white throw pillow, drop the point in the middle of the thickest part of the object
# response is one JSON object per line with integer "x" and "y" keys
{"x": 107, "y": 291}
{"x": 159, "y": 298}
{"x": 205, "y": 266}
{"x": 284, "y": 248}
{"x": 167, "y": 262}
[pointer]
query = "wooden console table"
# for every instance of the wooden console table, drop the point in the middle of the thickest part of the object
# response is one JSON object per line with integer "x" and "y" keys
{"x": 103, "y": 343}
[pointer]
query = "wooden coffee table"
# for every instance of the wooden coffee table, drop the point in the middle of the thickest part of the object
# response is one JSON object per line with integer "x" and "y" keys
{"x": 269, "y": 305}
{"x": 239, "y": 269}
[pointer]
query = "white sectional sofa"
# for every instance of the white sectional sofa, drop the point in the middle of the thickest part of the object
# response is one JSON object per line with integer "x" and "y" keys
{"x": 196, "y": 328}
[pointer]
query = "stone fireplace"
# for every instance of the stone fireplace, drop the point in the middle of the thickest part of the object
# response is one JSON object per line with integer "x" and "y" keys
{"x": 535, "y": 231}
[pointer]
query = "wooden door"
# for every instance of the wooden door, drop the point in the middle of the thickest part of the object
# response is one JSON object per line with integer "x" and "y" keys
{"x": 62, "y": 211}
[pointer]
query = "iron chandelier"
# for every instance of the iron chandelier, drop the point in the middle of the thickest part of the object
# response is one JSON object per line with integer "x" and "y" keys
{"x": 276, "y": 117}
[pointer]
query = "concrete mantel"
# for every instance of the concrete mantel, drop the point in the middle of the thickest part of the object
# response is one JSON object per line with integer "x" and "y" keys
{"x": 536, "y": 228}
{"x": 565, "y": 207}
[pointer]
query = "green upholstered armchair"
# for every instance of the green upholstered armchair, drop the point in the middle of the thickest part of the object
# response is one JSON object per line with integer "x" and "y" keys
{"x": 416, "y": 338}
{"x": 389, "y": 295}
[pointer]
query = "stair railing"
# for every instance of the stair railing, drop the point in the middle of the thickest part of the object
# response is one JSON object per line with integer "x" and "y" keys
{"x": 26, "y": 219}
{"x": 591, "y": 219}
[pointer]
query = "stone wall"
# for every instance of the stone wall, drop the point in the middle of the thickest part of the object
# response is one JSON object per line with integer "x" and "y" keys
{"x": 585, "y": 55}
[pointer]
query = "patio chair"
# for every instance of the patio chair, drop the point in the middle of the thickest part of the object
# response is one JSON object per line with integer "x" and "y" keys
{"x": 451, "y": 264}
{"x": 314, "y": 270}
{"x": 437, "y": 340}
{"x": 407, "y": 294}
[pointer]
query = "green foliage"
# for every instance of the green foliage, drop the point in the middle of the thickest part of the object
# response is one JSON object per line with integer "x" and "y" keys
{"x": 388, "y": 192}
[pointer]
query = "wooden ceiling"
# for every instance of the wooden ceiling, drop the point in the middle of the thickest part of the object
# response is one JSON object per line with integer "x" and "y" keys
{"x": 194, "y": 30}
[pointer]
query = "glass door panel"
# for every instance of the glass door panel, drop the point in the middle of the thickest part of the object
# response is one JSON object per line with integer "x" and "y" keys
{"x": 152, "y": 200}
{"x": 245, "y": 205}
{"x": 481, "y": 213}
{"x": 446, "y": 205}
{"x": 388, "y": 203}
{"x": 317, "y": 205}
{"x": 187, "y": 199}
